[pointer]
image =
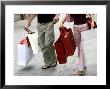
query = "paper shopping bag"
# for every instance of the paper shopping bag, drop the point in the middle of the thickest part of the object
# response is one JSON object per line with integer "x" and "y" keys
{"x": 68, "y": 40}
{"x": 60, "y": 51}
{"x": 33, "y": 38}
{"x": 25, "y": 53}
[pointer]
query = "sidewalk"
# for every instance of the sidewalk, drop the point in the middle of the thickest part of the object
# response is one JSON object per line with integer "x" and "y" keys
{"x": 34, "y": 66}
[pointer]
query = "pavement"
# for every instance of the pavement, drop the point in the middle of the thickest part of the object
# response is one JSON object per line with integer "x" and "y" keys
{"x": 33, "y": 68}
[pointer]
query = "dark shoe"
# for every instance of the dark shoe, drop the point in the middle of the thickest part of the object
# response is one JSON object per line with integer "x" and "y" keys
{"x": 46, "y": 66}
{"x": 54, "y": 64}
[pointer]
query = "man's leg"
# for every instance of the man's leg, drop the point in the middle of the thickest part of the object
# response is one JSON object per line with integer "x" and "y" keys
{"x": 41, "y": 41}
{"x": 49, "y": 40}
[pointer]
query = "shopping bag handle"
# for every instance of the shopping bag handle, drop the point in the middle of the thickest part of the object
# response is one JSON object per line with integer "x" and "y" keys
{"x": 29, "y": 45}
{"x": 28, "y": 31}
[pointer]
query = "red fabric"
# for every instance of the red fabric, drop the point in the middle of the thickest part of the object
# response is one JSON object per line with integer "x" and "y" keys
{"x": 65, "y": 45}
{"x": 60, "y": 51}
{"x": 68, "y": 40}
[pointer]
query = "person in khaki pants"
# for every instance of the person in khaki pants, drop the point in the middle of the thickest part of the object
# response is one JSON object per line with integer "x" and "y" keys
{"x": 46, "y": 37}
{"x": 80, "y": 24}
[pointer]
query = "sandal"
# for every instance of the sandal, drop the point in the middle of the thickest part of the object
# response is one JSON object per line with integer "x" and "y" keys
{"x": 81, "y": 73}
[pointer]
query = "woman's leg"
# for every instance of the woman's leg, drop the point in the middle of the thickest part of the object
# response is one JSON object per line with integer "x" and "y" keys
{"x": 77, "y": 36}
{"x": 81, "y": 62}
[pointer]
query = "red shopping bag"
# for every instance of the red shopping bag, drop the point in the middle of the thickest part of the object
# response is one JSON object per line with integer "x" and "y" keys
{"x": 60, "y": 51}
{"x": 68, "y": 40}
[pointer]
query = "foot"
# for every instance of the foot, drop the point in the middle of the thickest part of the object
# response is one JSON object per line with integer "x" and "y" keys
{"x": 81, "y": 73}
{"x": 46, "y": 66}
{"x": 54, "y": 64}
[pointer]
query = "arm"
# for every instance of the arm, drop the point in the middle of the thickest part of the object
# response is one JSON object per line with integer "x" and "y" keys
{"x": 63, "y": 21}
{"x": 92, "y": 21}
{"x": 57, "y": 15}
{"x": 91, "y": 17}
{"x": 30, "y": 20}
{"x": 56, "y": 18}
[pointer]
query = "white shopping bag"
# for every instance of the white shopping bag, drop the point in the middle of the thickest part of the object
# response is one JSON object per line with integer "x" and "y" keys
{"x": 25, "y": 54}
{"x": 33, "y": 38}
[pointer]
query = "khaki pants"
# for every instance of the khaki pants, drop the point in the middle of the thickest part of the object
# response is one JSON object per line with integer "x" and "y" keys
{"x": 45, "y": 40}
{"x": 77, "y": 34}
